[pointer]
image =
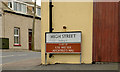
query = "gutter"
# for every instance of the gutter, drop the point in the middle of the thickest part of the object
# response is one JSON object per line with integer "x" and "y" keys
{"x": 22, "y": 14}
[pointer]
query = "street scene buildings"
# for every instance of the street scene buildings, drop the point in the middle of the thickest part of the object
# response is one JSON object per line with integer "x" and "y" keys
{"x": 69, "y": 35}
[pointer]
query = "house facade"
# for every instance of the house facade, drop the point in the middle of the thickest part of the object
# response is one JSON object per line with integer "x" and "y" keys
{"x": 16, "y": 24}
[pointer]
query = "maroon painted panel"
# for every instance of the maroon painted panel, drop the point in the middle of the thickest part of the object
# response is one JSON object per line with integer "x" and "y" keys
{"x": 119, "y": 30}
{"x": 105, "y": 32}
{"x": 30, "y": 39}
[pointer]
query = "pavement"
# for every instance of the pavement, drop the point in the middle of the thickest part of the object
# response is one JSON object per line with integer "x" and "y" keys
{"x": 35, "y": 65}
{"x": 111, "y": 66}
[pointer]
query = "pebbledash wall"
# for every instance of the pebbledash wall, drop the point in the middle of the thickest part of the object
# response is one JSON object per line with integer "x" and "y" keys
{"x": 24, "y": 23}
{"x": 76, "y": 16}
{"x": 11, "y": 19}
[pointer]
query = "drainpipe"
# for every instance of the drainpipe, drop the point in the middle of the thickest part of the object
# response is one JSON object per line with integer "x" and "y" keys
{"x": 50, "y": 16}
{"x": 50, "y": 21}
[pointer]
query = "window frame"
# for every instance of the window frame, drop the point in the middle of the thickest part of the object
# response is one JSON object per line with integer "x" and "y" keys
{"x": 17, "y": 35}
{"x": 18, "y": 7}
{"x": 10, "y": 5}
{"x": 23, "y": 8}
{"x": 37, "y": 11}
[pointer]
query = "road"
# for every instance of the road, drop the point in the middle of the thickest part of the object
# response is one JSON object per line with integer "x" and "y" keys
{"x": 31, "y": 61}
{"x": 9, "y": 57}
{"x": 23, "y": 60}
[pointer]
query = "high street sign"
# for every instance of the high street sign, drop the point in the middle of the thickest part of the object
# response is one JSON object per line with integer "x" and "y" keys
{"x": 63, "y": 42}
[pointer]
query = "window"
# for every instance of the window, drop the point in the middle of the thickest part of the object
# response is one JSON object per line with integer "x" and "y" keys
{"x": 24, "y": 8}
{"x": 38, "y": 12}
{"x": 15, "y": 6}
{"x": 10, "y": 4}
{"x": 20, "y": 7}
{"x": 17, "y": 36}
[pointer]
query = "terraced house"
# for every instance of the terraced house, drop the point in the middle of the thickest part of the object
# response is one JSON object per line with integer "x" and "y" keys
{"x": 16, "y": 25}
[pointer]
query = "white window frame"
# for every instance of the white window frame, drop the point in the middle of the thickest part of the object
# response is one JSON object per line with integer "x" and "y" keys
{"x": 9, "y": 4}
{"x": 17, "y": 35}
{"x": 37, "y": 12}
{"x": 23, "y": 9}
{"x": 14, "y": 6}
{"x": 19, "y": 10}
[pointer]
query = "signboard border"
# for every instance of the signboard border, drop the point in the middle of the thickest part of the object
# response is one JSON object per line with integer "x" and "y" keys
{"x": 73, "y": 42}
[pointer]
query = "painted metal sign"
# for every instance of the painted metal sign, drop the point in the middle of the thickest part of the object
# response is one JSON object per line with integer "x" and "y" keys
{"x": 63, "y": 42}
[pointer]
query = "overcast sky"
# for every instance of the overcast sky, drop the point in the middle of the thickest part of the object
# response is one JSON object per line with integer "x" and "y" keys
{"x": 38, "y": 2}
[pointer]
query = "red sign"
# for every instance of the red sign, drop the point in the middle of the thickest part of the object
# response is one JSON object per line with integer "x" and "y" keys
{"x": 63, "y": 47}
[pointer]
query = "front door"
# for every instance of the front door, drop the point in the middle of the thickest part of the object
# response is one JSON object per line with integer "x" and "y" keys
{"x": 30, "y": 38}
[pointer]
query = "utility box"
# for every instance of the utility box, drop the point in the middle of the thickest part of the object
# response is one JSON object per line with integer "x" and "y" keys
{"x": 4, "y": 43}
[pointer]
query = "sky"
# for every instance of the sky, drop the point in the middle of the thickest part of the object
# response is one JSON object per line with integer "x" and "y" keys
{"x": 38, "y": 2}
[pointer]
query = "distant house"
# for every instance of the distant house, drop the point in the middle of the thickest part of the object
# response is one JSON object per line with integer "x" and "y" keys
{"x": 16, "y": 24}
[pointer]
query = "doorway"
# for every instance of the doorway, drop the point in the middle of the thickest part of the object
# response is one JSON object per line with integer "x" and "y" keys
{"x": 30, "y": 38}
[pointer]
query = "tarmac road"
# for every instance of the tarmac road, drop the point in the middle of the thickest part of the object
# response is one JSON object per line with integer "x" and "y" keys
{"x": 31, "y": 61}
{"x": 9, "y": 57}
{"x": 19, "y": 59}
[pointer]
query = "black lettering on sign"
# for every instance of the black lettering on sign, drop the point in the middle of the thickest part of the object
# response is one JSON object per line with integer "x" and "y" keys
{"x": 64, "y": 36}
{"x": 55, "y": 36}
{"x": 68, "y": 35}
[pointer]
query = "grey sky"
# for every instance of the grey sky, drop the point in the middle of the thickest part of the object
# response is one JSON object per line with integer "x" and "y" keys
{"x": 38, "y": 2}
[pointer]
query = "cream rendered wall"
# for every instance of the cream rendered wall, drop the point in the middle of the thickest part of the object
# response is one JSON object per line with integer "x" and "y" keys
{"x": 24, "y": 23}
{"x": 44, "y": 27}
{"x": 37, "y": 35}
{"x": 77, "y": 16}
{"x": 1, "y": 22}
{"x": 1, "y": 35}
